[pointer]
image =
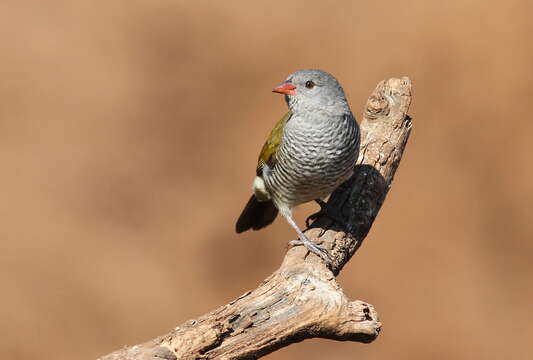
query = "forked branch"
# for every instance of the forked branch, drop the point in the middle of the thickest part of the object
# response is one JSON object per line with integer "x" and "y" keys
{"x": 302, "y": 299}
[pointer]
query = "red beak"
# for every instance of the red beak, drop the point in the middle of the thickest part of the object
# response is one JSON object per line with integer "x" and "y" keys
{"x": 285, "y": 88}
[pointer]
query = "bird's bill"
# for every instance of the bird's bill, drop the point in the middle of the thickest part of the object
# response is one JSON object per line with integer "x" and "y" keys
{"x": 285, "y": 88}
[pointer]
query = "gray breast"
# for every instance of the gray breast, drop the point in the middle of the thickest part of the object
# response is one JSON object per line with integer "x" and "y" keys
{"x": 315, "y": 156}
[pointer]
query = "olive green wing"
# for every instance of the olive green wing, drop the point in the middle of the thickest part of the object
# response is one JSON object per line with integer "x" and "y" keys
{"x": 270, "y": 148}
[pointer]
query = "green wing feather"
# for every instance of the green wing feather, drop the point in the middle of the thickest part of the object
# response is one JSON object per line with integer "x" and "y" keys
{"x": 270, "y": 148}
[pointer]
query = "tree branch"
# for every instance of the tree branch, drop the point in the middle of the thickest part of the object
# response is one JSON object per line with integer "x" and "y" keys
{"x": 302, "y": 299}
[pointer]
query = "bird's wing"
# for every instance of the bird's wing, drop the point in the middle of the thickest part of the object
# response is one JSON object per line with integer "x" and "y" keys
{"x": 270, "y": 148}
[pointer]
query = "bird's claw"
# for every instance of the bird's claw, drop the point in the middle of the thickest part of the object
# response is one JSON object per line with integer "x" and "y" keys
{"x": 316, "y": 249}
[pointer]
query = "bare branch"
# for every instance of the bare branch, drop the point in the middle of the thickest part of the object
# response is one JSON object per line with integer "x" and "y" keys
{"x": 302, "y": 299}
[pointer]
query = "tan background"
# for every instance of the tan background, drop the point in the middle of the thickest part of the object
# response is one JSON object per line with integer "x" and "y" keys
{"x": 129, "y": 132}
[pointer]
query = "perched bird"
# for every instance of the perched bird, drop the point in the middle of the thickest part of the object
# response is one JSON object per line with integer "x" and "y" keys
{"x": 310, "y": 151}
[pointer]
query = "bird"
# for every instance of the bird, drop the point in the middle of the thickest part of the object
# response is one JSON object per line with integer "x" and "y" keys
{"x": 308, "y": 154}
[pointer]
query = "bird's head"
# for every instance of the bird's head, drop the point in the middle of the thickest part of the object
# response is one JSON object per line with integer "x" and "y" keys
{"x": 313, "y": 90}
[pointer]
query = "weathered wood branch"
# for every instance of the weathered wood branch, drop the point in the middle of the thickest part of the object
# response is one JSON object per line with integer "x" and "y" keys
{"x": 302, "y": 299}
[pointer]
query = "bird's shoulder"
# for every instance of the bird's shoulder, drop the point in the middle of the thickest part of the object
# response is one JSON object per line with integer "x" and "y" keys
{"x": 271, "y": 146}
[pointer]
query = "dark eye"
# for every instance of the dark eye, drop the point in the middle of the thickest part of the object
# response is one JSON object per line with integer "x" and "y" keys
{"x": 309, "y": 84}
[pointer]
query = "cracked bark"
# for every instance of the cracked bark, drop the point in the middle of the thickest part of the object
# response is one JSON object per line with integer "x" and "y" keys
{"x": 302, "y": 299}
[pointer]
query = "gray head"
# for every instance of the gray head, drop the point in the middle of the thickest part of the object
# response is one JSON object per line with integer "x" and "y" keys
{"x": 315, "y": 91}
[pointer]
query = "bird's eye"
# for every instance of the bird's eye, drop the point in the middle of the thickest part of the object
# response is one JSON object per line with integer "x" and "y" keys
{"x": 309, "y": 84}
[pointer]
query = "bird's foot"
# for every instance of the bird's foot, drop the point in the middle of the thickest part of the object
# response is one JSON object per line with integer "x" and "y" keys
{"x": 330, "y": 212}
{"x": 316, "y": 249}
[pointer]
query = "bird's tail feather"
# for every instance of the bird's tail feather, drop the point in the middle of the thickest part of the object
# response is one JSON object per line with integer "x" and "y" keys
{"x": 256, "y": 215}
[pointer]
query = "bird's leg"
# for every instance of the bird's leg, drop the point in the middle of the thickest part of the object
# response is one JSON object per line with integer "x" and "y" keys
{"x": 311, "y": 246}
{"x": 327, "y": 210}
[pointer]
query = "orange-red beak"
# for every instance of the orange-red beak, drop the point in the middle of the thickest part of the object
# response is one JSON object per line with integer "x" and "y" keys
{"x": 285, "y": 88}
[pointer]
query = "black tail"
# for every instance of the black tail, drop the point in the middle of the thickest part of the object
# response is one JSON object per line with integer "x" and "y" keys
{"x": 256, "y": 215}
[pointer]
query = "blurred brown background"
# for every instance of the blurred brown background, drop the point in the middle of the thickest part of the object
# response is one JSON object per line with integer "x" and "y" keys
{"x": 129, "y": 133}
